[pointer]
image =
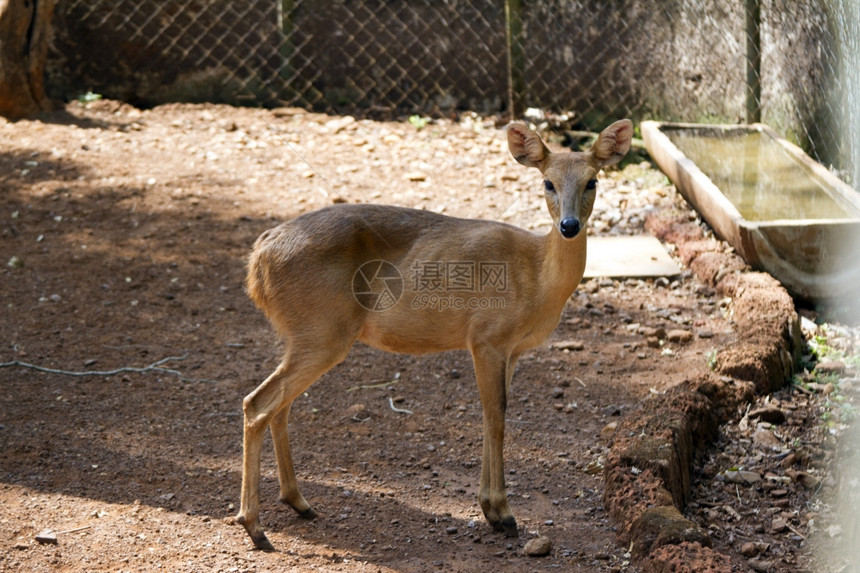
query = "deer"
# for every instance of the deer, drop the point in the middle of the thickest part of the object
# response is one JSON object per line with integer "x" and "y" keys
{"x": 334, "y": 276}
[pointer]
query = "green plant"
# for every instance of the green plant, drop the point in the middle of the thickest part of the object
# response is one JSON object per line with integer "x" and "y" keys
{"x": 418, "y": 122}
{"x": 712, "y": 359}
{"x": 88, "y": 97}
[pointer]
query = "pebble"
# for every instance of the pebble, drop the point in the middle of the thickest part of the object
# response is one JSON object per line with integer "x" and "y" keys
{"x": 769, "y": 414}
{"x": 760, "y": 566}
{"x": 678, "y": 335}
{"x": 749, "y": 549}
{"x": 830, "y": 367}
{"x": 538, "y": 547}
{"x": 649, "y": 332}
{"x": 568, "y": 345}
{"x": 778, "y": 525}
{"x": 451, "y": 530}
{"x": 558, "y": 392}
{"x": 766, "y": 439}
{"x": 743, "y": 477}
{"x": 808, "y": 481}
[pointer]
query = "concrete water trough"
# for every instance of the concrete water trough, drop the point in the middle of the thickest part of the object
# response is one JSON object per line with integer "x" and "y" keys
{"x": 783, "y": 212}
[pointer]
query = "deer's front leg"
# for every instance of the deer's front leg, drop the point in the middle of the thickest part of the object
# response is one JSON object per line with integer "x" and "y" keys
{"x": 491, "y": 372}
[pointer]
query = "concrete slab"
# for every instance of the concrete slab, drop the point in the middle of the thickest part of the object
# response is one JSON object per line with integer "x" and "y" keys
{"x": 636, "y": 256}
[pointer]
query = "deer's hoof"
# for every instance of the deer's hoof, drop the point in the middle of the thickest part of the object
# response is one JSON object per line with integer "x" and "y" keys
{"x": 258, "y": 536}
{"x": 509, "y": 526}
{"x": 262, "y": 542}
{"x": 308, "y": 513}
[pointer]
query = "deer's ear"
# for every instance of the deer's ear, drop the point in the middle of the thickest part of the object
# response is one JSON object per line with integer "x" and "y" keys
{"x": 612, "y": 144}
{"x": 526, "y": 146}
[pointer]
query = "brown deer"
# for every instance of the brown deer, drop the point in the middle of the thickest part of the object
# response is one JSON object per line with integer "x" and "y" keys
{"x": 330, "y": 277}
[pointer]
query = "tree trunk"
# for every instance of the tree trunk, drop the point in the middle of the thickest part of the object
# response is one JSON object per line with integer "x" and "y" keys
{"x": 24, "y": 30}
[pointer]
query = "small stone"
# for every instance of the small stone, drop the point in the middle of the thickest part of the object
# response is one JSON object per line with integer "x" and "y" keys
{"x": 809, "y": 482}
{"x": 568, "y": 345}
{"x": 451, "y": 530}
{"x": 679, "y": 335}
{"x": 769, "y": 414}
{"x": 557, "y": 392}
{"x": 760, "y": 566}
{"x": 778, "y": 525}
{"x": 416, "y": 176}
{"x": 538, "y": 547}
{"x": 830, "y": 367}
{"x": 779, "y": 492}
{"x": 652, "y": 342}
{"x": 609, "y": 429}
{"x": 648, "y": 332}
{"x": 749, "y": 549}
{"x": 766, "y": 439}
{"x": 743, "y": 477}
{"x": 47, "y": 536}
{"x": 704, "y": 333}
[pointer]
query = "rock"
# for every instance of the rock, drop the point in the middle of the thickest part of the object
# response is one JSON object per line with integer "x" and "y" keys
{"x": 679, "y": 335}
{"x": 808, "y": 481}
{"x": 557, "y": 392}
{"x": 538, "y": 547}
{"x": 338, "y": 124}
{"x": 742, "y": 477}
{"x": 749, "y": 549}
{"x": 652, "y": 342}
{"x": 47, "y": 536}
{"x": 704, "y": 333}
{"x": 769, "y": 414}
{"x": 760, "y": 566}
{"x": 451, "y": 530}
{"x": 609, "y": 429}
{"x": 648, "y": 332}
{"x": 830, "y": 367}
{"x": 568, "y": 345}
{"x": 764, "y": 438}
{"x": 778, "y": 525}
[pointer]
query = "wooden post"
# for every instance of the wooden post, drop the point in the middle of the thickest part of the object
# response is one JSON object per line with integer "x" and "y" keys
{"x": 286, "y": 48}
{"x": 516, "y": 59}
{"x": 753, "y": 33}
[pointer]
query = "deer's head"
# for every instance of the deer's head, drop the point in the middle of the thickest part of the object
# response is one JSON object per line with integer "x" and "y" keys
{"x": 570, "y": 178}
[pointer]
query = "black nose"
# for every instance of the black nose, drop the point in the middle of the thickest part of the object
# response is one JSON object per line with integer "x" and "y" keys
{"x": 569, "y": 228}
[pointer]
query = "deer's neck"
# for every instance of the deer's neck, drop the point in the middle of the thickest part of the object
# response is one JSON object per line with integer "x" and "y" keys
{"x": 564, "y": 263}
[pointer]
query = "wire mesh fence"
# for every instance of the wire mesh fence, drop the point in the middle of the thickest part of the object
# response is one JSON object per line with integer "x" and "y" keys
{"x": 788, "y": 62}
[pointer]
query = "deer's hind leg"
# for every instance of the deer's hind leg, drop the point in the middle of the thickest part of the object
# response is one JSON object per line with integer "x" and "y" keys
{"x": 269, "y": 404}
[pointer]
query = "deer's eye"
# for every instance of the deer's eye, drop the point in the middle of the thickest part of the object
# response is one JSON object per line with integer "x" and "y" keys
{"x": 548, "y": 184}
{"x": 592, "y": 183}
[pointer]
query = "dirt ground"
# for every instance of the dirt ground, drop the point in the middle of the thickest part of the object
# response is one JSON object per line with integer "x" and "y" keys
{"x": 124, "y": 239}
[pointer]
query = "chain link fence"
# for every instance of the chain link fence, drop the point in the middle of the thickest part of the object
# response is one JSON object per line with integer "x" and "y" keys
{"x": 791, "y": 63}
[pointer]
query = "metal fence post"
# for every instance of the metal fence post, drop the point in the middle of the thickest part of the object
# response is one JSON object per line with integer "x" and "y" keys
{"x": 753, "y": 33}
{"x": 516, "y": 60}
